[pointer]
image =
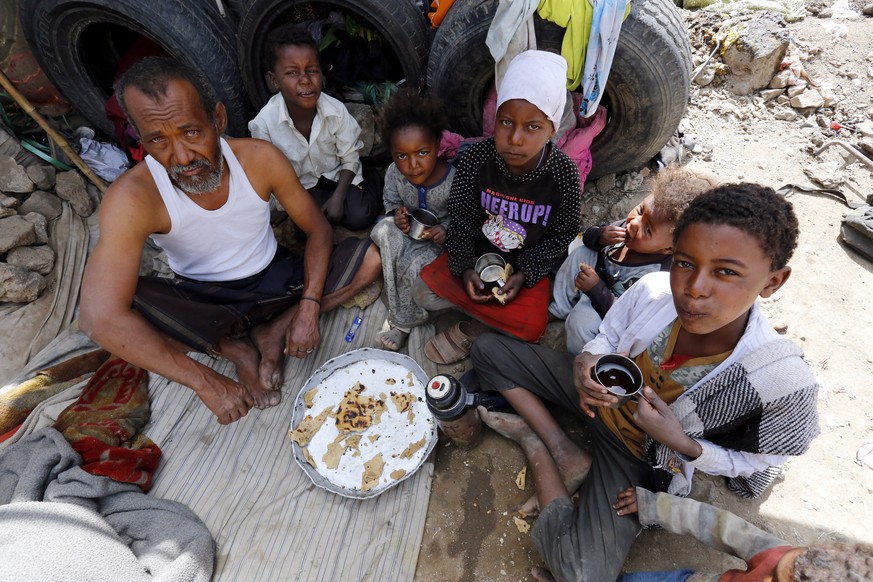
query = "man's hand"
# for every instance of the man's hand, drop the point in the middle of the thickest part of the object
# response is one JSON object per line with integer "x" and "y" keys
{"x": 333, "y": 208}
{"x": 473, "y": 286}
{"x": 658, "y": 420}
{"x": 513, "y": 286}
{"x": 435, "y": 234}
{"x": 401, "y": 219}
{"x": 611, "y": 235}
{"x": 591, "y": 393}
{"x": 626, "y": 503}
{"x": 587, "y": 278}
{"x": 303, "y": 335}
{"x": 228, "y": 400}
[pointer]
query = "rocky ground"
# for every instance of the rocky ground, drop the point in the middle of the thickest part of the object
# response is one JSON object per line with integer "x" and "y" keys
{"x": 760, "y": 136}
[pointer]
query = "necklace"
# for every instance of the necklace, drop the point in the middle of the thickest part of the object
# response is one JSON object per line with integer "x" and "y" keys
{"x": 542, "y": 155}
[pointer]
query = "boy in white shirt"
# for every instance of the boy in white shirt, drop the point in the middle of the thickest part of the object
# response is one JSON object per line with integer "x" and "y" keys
{"x": 315, "y": 131}
{"x": 724, "y": 394}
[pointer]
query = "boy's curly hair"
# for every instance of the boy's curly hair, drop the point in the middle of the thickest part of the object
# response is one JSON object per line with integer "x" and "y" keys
{"x": 837, "y": 563}
{"x": 408, "y": 108}
{"x": 752, "y": 208}
{"x": 673, "y": 190}
{"x": 285, "y": 35}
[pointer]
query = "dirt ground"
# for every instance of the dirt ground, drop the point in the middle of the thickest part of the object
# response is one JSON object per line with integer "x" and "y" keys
{"x": 825, "y": 495}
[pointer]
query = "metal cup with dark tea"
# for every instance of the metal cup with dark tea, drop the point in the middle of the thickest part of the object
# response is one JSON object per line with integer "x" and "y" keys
{"x": 620, "y": 376}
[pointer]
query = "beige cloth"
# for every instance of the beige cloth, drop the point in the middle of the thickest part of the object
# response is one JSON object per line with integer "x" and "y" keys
{"x": 27, "y": 328}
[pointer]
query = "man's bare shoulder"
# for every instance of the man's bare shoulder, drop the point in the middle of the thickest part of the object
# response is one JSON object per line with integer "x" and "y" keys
{"x": 265, "y": 165}
{"x": 134, "y": 199}
{"x": 253, "y": 152}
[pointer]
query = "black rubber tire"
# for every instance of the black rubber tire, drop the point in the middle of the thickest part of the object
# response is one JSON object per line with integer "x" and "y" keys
{"x": 192, "y": 31}
{"x": 645, "y": 95}
{"x": 400, "y": 22}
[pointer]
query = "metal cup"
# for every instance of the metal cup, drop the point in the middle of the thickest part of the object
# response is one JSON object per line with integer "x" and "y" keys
{"x": 620, "y": 376}
{"x": 490, "y": 268}
{"x": 419, "y": 221}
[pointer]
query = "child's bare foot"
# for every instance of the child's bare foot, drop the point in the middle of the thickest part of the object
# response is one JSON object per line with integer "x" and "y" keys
{"x": 540, "y": 574}
{"x": 394, "y": 339}
{"x": 269, "y": 339}
{"x": 512, "y": 427}
{"x": 246, "y": 359}
{"x": 573, "y": 467}
{"x": 573, "y": 463}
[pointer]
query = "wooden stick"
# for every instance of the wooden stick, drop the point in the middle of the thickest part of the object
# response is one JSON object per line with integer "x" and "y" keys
{"x": 29, "y": 109}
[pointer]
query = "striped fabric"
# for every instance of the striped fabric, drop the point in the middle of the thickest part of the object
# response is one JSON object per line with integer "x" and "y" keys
{"x": 269, "y": 521}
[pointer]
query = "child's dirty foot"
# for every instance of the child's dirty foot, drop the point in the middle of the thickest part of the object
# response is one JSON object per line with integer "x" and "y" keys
{"x": 394, "y": 339}
{"x": 573, "y": 465}
{"x": 540, "y": 574}
{"x": 511, "y": 426}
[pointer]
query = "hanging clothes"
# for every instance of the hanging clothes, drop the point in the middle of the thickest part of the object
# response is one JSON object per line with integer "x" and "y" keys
{"x": 605, "y": 28}
{"x": 578, "y": 18}
{"x": 510, "y": 33}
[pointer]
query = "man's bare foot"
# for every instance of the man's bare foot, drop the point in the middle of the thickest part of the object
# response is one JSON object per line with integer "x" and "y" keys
{"x": 269, "y": 340}
{"x": 540, "y": 574}
{"x": 247, "y": 361}
{"x": 573, "y": 463}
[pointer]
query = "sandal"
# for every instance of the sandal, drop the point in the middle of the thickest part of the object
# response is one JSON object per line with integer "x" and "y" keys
{"x": 448, "y": 347}
{"x": 395, "y": 336}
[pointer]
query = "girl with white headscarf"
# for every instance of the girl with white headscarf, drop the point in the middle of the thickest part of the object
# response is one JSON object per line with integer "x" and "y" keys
{"x": 516, "y": 195}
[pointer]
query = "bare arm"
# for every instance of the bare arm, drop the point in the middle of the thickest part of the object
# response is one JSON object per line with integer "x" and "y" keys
{"x": 271, "y": 172}
{"x": 127, "y": 216}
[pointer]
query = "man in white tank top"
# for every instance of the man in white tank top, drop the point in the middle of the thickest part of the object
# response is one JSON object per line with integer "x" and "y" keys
{"x": 205, "y": 201}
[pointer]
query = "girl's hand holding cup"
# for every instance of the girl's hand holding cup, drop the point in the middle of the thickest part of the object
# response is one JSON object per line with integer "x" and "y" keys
{"x": 401, "y": 219}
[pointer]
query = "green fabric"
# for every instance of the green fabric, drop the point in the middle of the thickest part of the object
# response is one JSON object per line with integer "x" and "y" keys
{"x": 575, "y": 16}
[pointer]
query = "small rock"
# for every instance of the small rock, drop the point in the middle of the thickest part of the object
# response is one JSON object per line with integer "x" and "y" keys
{"x": 13, "y": 178}
{"x": 824, "y": 173}
{"x": 42, "y": 175}
{"x": 770, "y": 94}
{"x": 705, "y": 77}
{"x": 828, "y": 97}
{"x": 755, "y": 55}
{"x": 15, "y": 232}
{"x": 796, "y": 90}
{"x": 8, "y": 201}
{"x": 783, "y": 114}
{"x": 781, "y": 328}
{"x": 822, "y": 121}
{"x": 783, "y": 100}
{"x": 4, "y": 212}
{"x": 867, "y": 10}
{"x": 605, "y": 183}
{"x": 40, "y": 226}
{"x": 866, "y": 144}
{"x": 43, "y": 203}
{"x": 40, "y": 259}
{"x": 866, "y": 128}
{"x": 71, "y": 186}
{"x": 825, "y": 12}
{"x": 782, "y": 79}
{"x": 807, "y": 100}
{"x": 19, "y": 285}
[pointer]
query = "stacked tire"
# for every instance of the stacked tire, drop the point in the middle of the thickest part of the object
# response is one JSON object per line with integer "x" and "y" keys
{"x": 645, "y": 95}
{"x": 69, "y": 36}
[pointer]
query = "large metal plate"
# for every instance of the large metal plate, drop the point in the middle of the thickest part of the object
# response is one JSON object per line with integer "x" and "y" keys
{"x": 373, "y": 368}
